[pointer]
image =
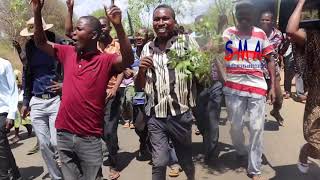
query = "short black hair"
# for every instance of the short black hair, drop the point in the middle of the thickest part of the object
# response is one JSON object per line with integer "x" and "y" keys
{"x": 165, "y": 6}
{"x": 244, "y": 4}
{"x": 269, "y": 13}
{"x": 94, "y": 23}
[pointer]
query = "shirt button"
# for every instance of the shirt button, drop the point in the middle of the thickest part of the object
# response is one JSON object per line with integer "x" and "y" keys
{"x": 79, "y": 65}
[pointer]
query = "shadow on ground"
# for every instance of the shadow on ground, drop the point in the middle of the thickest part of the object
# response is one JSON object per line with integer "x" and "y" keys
{"x": 31, "y": 172}
{"x": 291, "y": 172}
{"x": 123, "y": 159}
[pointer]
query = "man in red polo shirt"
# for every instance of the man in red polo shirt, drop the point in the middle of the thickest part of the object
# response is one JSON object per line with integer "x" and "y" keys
{"x": 87, "y": 71}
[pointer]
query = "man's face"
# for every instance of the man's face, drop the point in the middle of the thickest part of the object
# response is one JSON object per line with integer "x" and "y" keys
{"x": 83, "y": 34}
{"x": 106, "y": 28}
{"x": 244, "y": 17}
{"x": 163, "y": 22}
{"x": 141, "y": 37}
{"x": 266, "y": 22}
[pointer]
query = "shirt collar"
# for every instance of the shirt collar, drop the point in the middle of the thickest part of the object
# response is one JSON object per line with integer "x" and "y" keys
{"x": 170, "y": 42}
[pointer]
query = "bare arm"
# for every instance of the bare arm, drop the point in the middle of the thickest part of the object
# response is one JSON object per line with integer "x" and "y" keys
{"x": 293, "y": 30}
{"x": 39, "y": 35}
{"x": 68, "y": 21}
{"x": 272, "y": 73}
{"x": 127, "y": 58}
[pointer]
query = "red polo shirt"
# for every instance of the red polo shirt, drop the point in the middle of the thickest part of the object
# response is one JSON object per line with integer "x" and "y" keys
{"x": 84, "y": 90}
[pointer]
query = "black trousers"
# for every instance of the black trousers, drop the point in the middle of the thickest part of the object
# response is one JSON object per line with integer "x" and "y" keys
{"x": 111, "y": 121}
{"x": 208, "y": 116}
{"x": 7, "y": 161}
{"x": 178, "y": 130}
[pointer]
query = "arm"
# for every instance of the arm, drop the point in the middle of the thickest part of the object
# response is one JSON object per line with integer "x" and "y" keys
{"x": 68, "y": 21}
{"x": 126, "y": 58}
{"x": 13, "y": 92}
{"x": 112, "y": 92}
{"x": 272, "y": 73}
{"x": 293, "y": 30}
{"x": 39, "y": 35}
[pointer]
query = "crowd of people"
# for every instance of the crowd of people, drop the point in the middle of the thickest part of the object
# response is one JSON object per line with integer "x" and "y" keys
{"x": 76, "y": 92}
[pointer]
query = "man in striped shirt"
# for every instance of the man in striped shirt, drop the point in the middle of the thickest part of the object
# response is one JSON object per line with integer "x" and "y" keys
{"x": 245, "y": 88}
{"x": 169, "y": 95}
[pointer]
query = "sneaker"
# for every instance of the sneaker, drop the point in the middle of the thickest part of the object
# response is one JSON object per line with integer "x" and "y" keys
{"x": 175, "y": 170}
{"x": 303, "y": 168}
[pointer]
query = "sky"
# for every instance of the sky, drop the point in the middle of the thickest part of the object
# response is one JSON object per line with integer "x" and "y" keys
{"x": 85, "y": 7}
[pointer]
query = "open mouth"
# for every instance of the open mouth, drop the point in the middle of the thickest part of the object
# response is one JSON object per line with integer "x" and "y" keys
{"x": 162, "y": 30}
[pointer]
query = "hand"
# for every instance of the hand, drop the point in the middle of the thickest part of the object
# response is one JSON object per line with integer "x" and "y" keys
{"x": 37, "y": 5}
{"x": 271, "y": 96}
{"x": 70, "y": 4}
{"x": 24, "y": 111}
{"x": 111, "y": 93}
{"x": 56, "y": 87}
{"x": 16, "y": 45}
{"x": 128, "y": 73}
{"x": 114, "y": 15}
{"x": 9, "y": 124}
{"x": 146, "y": 63}
{"x": 302, "y": 1}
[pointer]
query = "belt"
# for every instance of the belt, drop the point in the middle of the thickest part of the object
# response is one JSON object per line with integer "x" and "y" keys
{"x": 46, "y": 95}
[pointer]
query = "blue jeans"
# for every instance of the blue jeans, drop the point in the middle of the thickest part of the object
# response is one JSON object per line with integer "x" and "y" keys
{"x": 43, "y": 116}
{"x": 81, "y": 157}
{"x": 208, "y": 115}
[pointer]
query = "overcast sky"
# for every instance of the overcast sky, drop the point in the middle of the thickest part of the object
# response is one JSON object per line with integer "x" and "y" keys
{"x": 85, "y": 7}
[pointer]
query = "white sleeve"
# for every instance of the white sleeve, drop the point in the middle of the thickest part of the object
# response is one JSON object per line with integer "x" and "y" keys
{"x": 13, "y": 92}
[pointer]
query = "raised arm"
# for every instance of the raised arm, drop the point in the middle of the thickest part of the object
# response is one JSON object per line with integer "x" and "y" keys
{"x": 39, "y": 35}
{"x": 68, "y": 21}
{"x": 297, "y": 35}
{"x": 127, "y": 58}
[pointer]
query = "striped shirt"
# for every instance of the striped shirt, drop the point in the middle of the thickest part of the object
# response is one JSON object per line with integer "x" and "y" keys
{"x": 244, "y": 70}
{"x": 169, "y": 91}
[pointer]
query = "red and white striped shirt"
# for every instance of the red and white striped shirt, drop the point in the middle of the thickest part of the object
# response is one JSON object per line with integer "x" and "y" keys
{"x": 243, "y": 62}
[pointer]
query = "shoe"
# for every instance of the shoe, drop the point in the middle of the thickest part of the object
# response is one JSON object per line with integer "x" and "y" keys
{"x": 303, "y": 168}
{"x": 277, "y": 116}
{"x": 132, "y": 126}
{"x": 34, "y": 150}
{"x": 197, "y": 132}
{"x": 114, "y": 174}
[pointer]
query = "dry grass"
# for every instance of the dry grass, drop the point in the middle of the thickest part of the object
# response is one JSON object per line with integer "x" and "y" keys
{"x": 8, "y": 53}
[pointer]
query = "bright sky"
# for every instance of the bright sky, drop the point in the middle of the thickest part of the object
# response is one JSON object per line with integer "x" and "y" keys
{"x": 85, "y": 7}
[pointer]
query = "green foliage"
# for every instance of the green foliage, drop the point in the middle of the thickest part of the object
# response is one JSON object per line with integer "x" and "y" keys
{"x": 98, "y": 13}
{"x": 194, "y": 63}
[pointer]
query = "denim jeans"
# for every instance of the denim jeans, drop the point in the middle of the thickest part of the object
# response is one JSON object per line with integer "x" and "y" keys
{"x": 43, "y": 116}
{"x": 237, "y": 107}
{"x": 7, "y": 161}
{"x": 178, "y": 129}
{"x": 81, "y": 157}
{"x": 208, "y": 115}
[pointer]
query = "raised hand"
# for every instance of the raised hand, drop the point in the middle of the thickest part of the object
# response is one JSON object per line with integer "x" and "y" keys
{"x": 37, "y": 5}
{"x": 114, "y": 15}
{"x": 70, "y": 4}
{"x": 146, "y": 63}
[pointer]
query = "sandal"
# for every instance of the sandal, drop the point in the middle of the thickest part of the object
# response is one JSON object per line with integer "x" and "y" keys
{"x": 258, "y": 177}
{"x": 175, "y": 171}
{"x": 286, "y": 95}
{"x": 114, "y": 175}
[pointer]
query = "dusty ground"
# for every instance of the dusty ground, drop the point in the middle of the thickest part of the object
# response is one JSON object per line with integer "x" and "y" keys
{"x": 281, "y": 144}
